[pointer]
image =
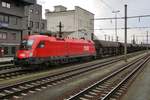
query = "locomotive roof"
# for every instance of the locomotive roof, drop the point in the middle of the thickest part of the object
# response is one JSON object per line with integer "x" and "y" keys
{"x": 51, "y": 38}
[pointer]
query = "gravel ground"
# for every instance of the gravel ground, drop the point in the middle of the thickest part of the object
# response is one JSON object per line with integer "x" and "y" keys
{"x": 58, "y": 91}
{"x": 140, "y": 88}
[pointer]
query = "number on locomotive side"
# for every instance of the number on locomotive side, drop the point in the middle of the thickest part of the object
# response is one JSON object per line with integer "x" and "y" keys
{"x": 86, "y": 48}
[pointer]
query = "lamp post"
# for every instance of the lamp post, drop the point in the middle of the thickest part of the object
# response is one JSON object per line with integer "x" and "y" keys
{"x": 125, "y": 41}
{"x": 105, "y": 37}
{"x": 29, "y": 21}
{"x": 147, "y": 40}
{"x": 115, "y": 12}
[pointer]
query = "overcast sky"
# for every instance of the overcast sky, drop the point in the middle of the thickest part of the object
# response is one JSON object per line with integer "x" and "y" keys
{"x": 104, "y": 8}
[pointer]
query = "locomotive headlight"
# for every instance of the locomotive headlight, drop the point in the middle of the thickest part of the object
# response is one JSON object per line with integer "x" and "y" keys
{"x": 30, "y": 54}
{"x": 22, "y": 55}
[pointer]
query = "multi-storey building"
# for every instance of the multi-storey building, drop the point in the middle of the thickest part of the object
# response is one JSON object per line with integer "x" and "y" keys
{"x": 76, "y": 23}
{"x": 14, "y": 18}
{"x": 11, "y": 15}
{"x": 33, "y": 20}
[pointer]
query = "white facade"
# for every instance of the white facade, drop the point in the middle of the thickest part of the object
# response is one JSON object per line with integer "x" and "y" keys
{"x": 76, "y": 23}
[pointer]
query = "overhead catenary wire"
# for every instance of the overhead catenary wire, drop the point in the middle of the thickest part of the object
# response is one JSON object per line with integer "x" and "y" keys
{"x": 110, "y": 18}
{"x": 107, "y": 5}
{"x": 123, "y": 28}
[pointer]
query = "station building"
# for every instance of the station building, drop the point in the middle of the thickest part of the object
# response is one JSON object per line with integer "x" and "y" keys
{"x": 76, "y": 23}
{"x": 14, "y": 18}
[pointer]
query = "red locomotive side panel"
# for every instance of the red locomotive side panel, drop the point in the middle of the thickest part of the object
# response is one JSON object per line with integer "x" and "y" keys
{"x": 80, "y": 48}
{"x": 51, "y": 48}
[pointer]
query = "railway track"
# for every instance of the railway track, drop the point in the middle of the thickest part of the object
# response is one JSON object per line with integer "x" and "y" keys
{"x": 35, "y": 84}
{"x": 18, "y": 71}
{"x": 5, "y": 62}
{"x": 21, "y": 88}
{"x": 5, "y": 66}
{"x": 7, "y": 70}
{"x": 10, "y": 71}
{"x": 113, "y": 86}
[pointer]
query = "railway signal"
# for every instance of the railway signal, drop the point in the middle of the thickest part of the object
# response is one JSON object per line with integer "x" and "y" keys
{"x": 60, "y": 29}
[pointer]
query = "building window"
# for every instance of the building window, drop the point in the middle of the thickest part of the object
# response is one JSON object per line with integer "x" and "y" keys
{"x": 31, "y": 24}
{"x": 13, "y": 50}
{"x": 42, "y": 26}
{"x": 15, "y": 21}
{"x": 14, "y": 36}
{"x": 5, "y": 4}
{"x": 8, "y": 5}
{"x": 91, "y": 22}
{"x": 6, "y": 50}
{"x": 5, "y": 18}
{"x": 1, "y": 18}
{"x": 3, "y": 35}
{"x": 37, "y": 12}
{"x": 37, "y": 25}
{"x": 31, "y": 10}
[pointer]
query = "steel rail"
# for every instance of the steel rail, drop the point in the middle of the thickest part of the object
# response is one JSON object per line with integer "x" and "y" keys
{"x": 112, "y": 92}
{"x": 6, "y": 72}
{"x": 8, "y": 91}
{"x": 86, "y": 90}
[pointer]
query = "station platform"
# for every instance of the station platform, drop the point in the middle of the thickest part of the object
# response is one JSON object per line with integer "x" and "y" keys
{"x": 6, "y": 59}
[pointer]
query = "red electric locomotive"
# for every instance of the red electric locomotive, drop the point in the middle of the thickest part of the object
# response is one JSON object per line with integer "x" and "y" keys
{"x": 43, "y": 49}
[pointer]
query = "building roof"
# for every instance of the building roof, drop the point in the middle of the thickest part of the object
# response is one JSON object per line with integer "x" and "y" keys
{"x": 84, "y": 10}
{"x": 27, "y": 1}
{"x": 66, "y": 11}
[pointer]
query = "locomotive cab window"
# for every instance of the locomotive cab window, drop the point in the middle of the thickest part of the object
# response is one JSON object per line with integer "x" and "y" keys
{"x": 26, "y": 44}
{"x": 41, "y": 44}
